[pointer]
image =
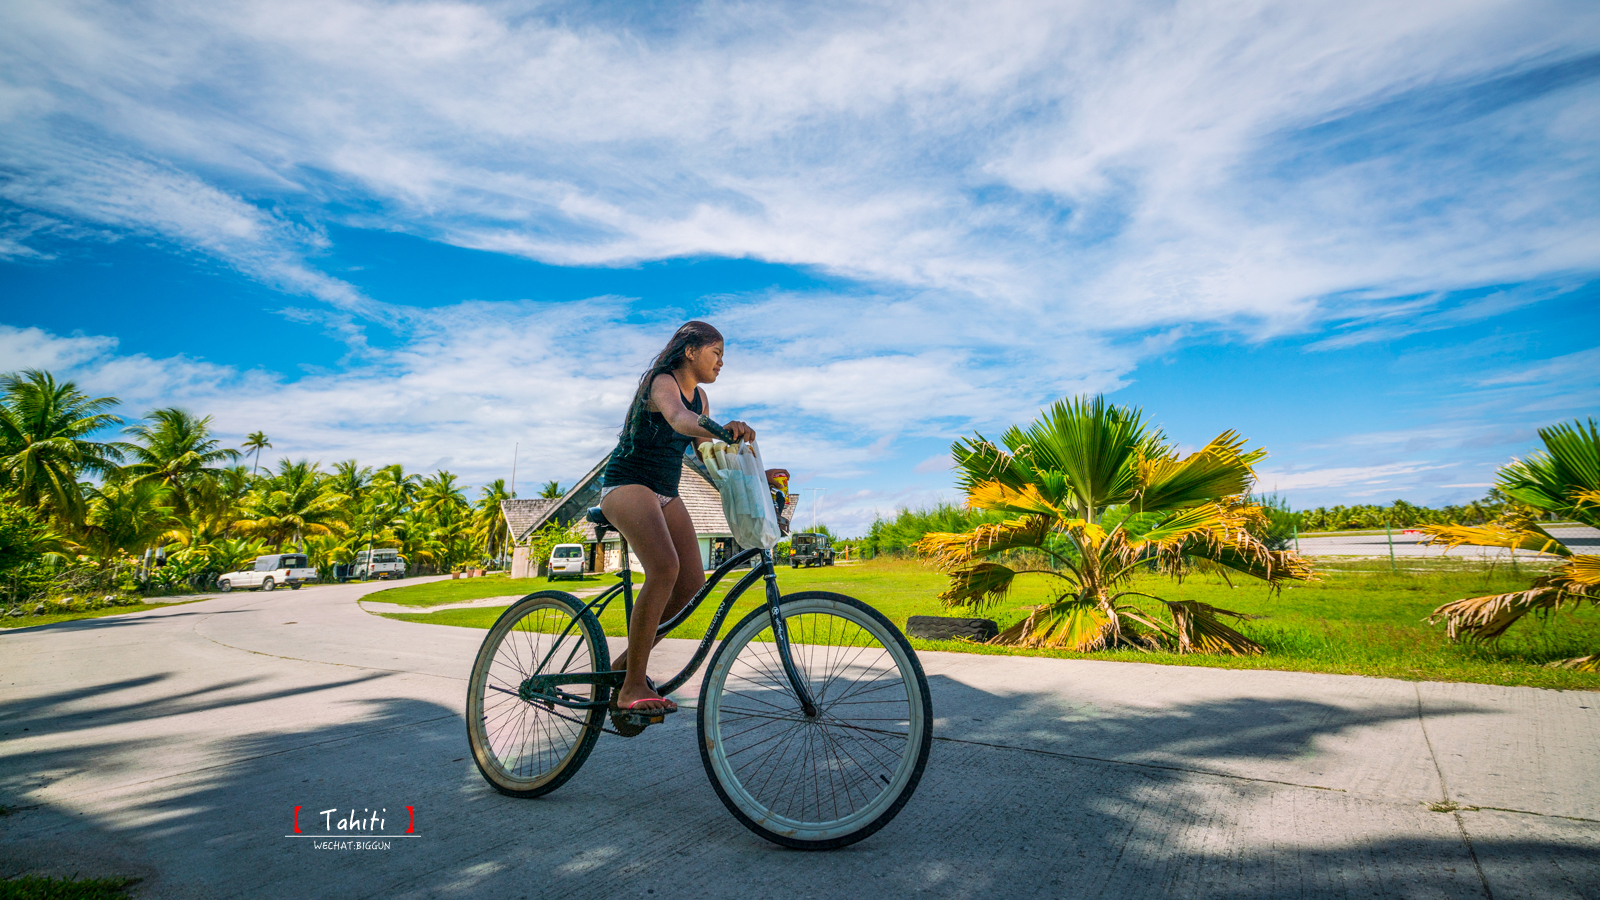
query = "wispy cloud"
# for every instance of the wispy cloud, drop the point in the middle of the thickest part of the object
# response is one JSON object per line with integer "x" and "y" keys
{"x": 1016, "y": 200}
{"x": 1131, "y": 165}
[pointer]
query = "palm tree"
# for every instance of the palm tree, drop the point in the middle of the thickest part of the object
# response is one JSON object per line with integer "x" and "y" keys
{"x": 129, "y": 517}
{"x": 551, "y": 490}
{"x": 1564, "y": 481}
{"x": 399, "y": 489}
{"x": 439, "y": 491}
{"x": 351, "y": 479}
{"x": 1091, "y": 494}
{"x": 489, "y": 523}
{"x": 291, "y": 504}
{"x": 43, "y": 447}
{"x": 255, "y": 442}
{"x": 176, "y": 449}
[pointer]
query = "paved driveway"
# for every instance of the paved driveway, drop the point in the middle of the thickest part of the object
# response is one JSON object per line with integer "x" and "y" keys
{"x": 176, "y": 744}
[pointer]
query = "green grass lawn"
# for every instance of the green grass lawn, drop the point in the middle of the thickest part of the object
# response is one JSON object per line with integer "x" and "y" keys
{"x": 31, "y": 621}
{"x": 1361, "y": 619}
{"x": 460, "y": 590}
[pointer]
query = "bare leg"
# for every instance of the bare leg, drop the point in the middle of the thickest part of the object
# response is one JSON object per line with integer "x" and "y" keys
{"x": 637, "y": 513}
{"x": 691, "y": 577}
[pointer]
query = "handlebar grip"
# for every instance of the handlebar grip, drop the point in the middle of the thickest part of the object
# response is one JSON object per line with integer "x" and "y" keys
{"x": 722, "y": 434}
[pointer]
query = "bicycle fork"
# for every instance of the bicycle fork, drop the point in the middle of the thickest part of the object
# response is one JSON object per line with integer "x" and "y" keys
{"x": 780, "y": 637}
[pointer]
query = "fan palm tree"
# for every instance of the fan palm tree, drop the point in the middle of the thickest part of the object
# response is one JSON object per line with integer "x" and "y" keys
{"x": 176, "y": 449}
{"x": 44, "y": 446}
{"x": 1091, "y": 493}
{"x": 1564, "y": 480}
{"x": 255, "y": 442}
{"x": 291, "y": 504}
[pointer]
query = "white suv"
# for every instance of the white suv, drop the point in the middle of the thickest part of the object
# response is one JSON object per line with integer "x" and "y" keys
{"x": 269, "y": 572}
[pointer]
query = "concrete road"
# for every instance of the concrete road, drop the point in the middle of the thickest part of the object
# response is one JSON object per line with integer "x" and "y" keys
{"x": 176, "y": 744}
{"x": 1578, "y": 538}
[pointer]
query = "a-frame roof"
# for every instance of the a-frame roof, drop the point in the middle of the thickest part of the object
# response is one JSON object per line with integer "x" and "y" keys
{"x": 699, "y": 496}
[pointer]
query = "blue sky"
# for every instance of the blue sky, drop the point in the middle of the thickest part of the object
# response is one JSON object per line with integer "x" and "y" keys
{"x": 1365, "y": 237}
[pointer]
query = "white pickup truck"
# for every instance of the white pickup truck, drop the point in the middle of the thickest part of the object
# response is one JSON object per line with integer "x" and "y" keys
{"x": 380, "y": 563}
{"x": 270, "y": 572}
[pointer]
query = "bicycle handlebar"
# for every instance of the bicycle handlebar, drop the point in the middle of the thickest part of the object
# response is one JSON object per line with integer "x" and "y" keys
{"x": 721, "y": 433}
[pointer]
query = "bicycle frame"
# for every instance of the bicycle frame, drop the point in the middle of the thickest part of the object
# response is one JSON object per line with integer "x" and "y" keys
{"x": 547, "y": 688}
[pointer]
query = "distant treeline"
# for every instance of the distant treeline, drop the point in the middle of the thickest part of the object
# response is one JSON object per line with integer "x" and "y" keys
{"x": 895, "y": 536}
{"x": 1401, "y": 514}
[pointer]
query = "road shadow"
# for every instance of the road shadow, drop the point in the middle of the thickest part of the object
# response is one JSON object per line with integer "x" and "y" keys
{"x": 641, "y": 816}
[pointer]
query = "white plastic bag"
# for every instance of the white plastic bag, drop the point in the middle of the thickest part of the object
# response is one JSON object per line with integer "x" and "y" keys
{"x": 746, "y": 502}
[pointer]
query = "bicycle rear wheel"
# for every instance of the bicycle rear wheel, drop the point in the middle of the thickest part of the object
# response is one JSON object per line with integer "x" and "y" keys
{"x": 824, "y": 782}
{"x": 523, "y": 748}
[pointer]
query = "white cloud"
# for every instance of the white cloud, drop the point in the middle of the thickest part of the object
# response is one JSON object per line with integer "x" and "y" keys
{"x": 1121, "y": 166}
{"x": 1286, "y": 480}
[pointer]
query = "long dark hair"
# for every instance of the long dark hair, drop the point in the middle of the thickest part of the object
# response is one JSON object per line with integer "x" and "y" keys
{"x": 690, "y": 336}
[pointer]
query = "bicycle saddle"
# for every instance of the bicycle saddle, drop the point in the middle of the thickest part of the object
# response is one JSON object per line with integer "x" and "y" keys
{"x": 598, "y": 517}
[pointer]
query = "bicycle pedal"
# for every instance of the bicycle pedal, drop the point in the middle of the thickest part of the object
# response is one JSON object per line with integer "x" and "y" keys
{"x": 624, "y": 724}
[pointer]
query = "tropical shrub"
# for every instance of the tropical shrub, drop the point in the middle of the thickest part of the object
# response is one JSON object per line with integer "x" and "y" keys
{"x": 1057, "y": 484}
{"x": 1563, "y": 482}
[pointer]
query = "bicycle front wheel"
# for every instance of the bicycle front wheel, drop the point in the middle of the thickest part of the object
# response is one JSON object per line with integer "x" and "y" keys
{"x": 528, "y": 748}
{"x": 831, "y": 780}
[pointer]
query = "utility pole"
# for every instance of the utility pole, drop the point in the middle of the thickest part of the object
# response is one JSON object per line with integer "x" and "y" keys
{"x": 514, "y": 449}
{"x": 816, "y": 501}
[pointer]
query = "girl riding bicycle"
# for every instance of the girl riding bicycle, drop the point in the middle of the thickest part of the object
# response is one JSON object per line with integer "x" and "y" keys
{"x": 639, "y": 493}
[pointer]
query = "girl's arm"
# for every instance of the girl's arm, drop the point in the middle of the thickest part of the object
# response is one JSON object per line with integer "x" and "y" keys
{"x": 669, "y": 400}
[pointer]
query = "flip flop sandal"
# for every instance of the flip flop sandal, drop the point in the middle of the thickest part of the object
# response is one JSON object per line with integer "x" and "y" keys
{"x": 630, "y": 722}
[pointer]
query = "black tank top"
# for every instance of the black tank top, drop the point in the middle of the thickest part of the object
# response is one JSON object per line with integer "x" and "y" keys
{"x": 656, "y": 459}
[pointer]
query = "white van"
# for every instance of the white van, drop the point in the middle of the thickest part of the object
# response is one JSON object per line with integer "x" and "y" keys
{"x": 566, "y": 561}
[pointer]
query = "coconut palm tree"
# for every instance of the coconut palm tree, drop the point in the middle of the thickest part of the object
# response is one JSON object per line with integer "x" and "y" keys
{"x": 44, "y": 446}
{"x": 439, "y": 491}
{"x": 551, "y": 490}
{"x": 1564, "y": 481}
{"x": 176, "y": 449}
{"x": 489, "y": 523}
{"x": 351, "y": 479}
{"x": 1091, "y": 494}
{"x": 129, "y": 517}
{"x": 399, "y": 490}
{"x": 291, "y": 504}
{"x": 255, "y": 442}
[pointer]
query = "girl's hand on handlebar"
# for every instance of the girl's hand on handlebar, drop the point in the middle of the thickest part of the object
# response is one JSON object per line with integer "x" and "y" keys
{"x": 741, "y": 431}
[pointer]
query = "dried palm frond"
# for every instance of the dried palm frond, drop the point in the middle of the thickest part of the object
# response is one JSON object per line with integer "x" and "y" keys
{"x": 1521, "y": 536}
{"x": 1076, "y": 625}
{"x": 1001, "y": 497}
{"x": 1480, "y": 619}
{"x": 979, "y": 584}
{"x": 953, "y": 551}
{"x": 1579, "y": 574}
{"x": 1228, "y": 540}
{"x": 1590, "y": 663}
{"x": 1199, "y": 628}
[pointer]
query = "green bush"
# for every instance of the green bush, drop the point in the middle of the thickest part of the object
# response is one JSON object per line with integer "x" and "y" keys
{"x": 895, "y": 536}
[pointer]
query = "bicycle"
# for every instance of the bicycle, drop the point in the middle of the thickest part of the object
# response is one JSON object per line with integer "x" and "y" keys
{"x": 814, "y": 718}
